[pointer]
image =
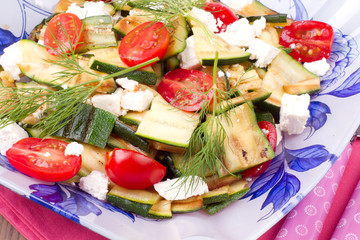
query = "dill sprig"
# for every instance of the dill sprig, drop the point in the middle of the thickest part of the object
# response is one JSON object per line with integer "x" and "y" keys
{"x": 60, "y": 105}
{"x": 204, "y": 155}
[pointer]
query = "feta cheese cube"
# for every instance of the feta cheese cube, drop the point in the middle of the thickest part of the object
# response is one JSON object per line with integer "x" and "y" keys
{"x": 90, "y": 9}
{"x": 74, "y": 148}
{"x": 237, "y": 4}
{"x": 294, "y": 113}
{"x": 10, "y": 59}
{"x": 137, "y": 101}
{"x": 263, "y": 52}
{"x": 319, "y": 67}
{"x": 172, "y": 189}
{"x": 188, "y": 59}
{"x": 109, "y": 102}
{"x": 206, "y": 18}
{"x": 96, "y": 184}
{"x": 240, "y": 33}
{"x": 128, "y": 84}
{"x": 9, "y": 135}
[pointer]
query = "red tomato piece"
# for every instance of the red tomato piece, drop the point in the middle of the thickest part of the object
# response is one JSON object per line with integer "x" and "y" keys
{"x": 63, "y": 33}
{"x": 310, "y": 40}
{"x": 272, "y": 138}
{"x": 143, "y": 43}
{"x": 222, "y": 14}
{"x": 43, "y": 159}
{"x": 133, "y": 170}
{"x": 186, "y": 89}
{"x": 270, "y": 131}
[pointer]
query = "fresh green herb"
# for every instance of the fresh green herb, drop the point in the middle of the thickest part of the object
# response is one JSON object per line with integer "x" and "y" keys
{"x": 60, "y": 106}
{"x": 206, "y": 147}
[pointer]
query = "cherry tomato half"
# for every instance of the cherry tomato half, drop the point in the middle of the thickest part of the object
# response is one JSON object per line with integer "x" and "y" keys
{"x": 309, "y": 40}
{"x": 222, "y": 14}
{"x": 272, "y": 138}
{"x": 133, "y": 170}
{"x": 43, "y": 159}
{"x": 63, "y": 33}
{"x": 186, "y": 89}
{"x": 143, "y": 43}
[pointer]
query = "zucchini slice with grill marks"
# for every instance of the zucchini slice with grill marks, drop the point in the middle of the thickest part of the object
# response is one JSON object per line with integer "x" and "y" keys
{"x": 190, "y": 204}
{"x": 205, "y": 51}
{"x": 245, "y": 144}
{"x": 91, "y": 125}
{"x": 163, "y": 121}
{"x": 236, "y": 191}
{"x": 97, "y": 33}
{"x": 136, "y": 201}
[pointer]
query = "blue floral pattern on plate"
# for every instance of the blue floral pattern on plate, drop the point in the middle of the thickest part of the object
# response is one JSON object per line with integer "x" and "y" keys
{"x": 272, "y": 195}
{"x": 71, "y": 202}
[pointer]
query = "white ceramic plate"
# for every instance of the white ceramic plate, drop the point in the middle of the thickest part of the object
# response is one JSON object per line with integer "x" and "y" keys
{"x": 301, "y": 162}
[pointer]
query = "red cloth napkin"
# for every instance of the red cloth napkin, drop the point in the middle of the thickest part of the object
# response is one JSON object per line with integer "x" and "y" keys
{"x": 37, "y": 222}
{"x": 34, "y": 221}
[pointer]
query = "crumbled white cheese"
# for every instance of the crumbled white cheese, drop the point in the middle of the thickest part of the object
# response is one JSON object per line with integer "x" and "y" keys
{"x": 137, "y": 101}
{"x": 263, "y": 52}
{"x": 240, "y": 33}
{"x": 319, "y": 67}
{"x": 206, "y": 18}
{"x": 10, "y": 59}
{"x": 109, "y": 102}
{"x": 259, "y": 25}
{"x": 90, "y": 9}
{"x": 9, "y": 135}
{"x": 237, "y": 4}
{"x": 220, "y": 74}
{"x": 188, "y": 59}
{"x": 175, "y": 189}
{"x": 128, "y": 84}
{"x": 96, "y": 184}
{"x": 74, "y": 148}
{"x": 294, "y": 113}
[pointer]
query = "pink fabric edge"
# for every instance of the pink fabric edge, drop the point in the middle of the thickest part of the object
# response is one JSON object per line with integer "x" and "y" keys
{"x": 350, "y": 179}
{"x": 35, "y": 222}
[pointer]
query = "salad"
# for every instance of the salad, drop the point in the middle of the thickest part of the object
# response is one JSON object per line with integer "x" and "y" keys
{"x": 171, "y": 108}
